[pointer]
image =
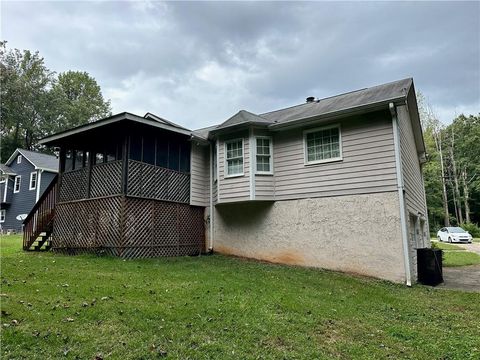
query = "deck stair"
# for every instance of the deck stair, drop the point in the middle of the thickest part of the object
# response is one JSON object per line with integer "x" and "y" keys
{"x": 38, "y": 225}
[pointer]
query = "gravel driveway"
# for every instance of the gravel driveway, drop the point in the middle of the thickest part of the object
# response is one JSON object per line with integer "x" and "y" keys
{"x": 465, "y": 278}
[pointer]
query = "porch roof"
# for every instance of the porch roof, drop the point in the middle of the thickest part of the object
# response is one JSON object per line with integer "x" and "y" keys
{"x": 148, "y": 120}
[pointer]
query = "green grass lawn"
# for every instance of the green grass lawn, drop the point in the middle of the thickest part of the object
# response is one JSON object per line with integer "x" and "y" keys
{"x": 56, "y": 306}
{"x": 460, "y": 258}
{"x": 446, "y": 246}
{"x": 454, "y": 255}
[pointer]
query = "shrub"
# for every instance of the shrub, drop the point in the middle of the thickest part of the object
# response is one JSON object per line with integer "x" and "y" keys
{"x": 473, "y": 229}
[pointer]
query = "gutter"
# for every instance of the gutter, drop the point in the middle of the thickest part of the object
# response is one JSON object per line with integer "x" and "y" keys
{"x": 237, "y": 127}
{"x": 401, "y": 198}
{"x": 46, "y": 169}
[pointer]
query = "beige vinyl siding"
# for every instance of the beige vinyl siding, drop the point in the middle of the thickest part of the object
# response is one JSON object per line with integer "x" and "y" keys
{"x": 199, "y": 178}
{"x": 413, "y": 185}
{"x": 412, "y": 175}
{"x": 215, "y": 181}
{"x": 368, "y": 164}
{"x": 233, "y": 189}
{"x": 215, "y": 193}
{"x": 264, "y": 187}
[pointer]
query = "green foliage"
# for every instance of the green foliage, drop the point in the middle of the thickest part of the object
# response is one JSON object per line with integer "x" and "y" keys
{"x": 465, "y": 132}
{"x": 36, "y": 103}
{"x": 216, "y": 307}
{"x": 79, "y": 100}
{"x": 25, "y": 82}
{"x": 473, "y": 229}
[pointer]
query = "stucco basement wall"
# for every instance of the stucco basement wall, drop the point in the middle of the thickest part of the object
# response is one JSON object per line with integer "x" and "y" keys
{"x": 355, "y": 233}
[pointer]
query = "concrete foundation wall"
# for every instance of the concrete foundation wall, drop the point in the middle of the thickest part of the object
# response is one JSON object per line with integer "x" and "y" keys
{"x": 355, "y": 233}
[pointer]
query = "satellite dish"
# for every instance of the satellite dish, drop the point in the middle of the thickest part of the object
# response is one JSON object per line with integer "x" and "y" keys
{"x": 21, "y": 217}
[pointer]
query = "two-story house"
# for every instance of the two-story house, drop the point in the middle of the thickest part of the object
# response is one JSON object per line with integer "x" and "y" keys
{"x": 334, "y": 183}
{"x": 24, "y": 178}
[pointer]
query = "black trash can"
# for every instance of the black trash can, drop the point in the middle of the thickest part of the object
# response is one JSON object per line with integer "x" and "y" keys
{"x": 429, "y": 262}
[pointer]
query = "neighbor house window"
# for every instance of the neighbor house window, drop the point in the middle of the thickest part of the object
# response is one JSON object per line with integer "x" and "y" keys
{"x": 16, "y": 185}
{"x": 2, "y": 216}
{"x": 33, "y": 181}
{"x": 19, "y": 159}
{"x": 323, "y": 144}
{"x": 234, "y": 157}
{"x": 264, "y": 155}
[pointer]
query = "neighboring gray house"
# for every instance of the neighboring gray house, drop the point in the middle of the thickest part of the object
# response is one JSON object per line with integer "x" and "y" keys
{"x": 334, "y": 183}
{"x": 24, "y": 178}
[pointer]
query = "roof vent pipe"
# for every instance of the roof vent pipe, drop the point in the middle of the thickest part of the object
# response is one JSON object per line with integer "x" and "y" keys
{"x": 310, "y": 99}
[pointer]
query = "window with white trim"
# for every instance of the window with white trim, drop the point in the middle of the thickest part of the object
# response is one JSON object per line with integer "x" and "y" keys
{"x": 2, "y": 215}
{"x": 323, "y": 144}
{"x": 234, "y": 157}
{"x": 19, "y": 159}
{"x": 33, "y": 181}
{"x": 263, "y": 156}
{"x": 17, "y": 183}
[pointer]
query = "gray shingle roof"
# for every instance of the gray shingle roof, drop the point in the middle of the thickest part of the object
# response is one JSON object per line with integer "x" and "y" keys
{"x": 163, "y": 120}
{"x": 243, "y": 117}
{"x": 372, "y": 95}
{"x": 203, "y": 132}
{"x": 40, "y": 160}
{"x": 335, "y": 104}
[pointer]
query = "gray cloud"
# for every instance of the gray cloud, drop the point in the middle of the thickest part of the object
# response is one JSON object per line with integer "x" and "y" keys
{"x": 198, "y": 63}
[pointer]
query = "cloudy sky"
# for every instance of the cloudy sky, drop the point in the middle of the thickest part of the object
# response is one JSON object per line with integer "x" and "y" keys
{"x": 199, "y": 63}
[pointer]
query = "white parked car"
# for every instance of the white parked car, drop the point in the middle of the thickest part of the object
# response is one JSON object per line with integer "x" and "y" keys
{"x": 454, "y": 234}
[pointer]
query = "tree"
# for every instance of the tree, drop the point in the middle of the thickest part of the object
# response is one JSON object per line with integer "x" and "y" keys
{"x": 435, "y": 130}
{"x": 25, "y": 82}
{"x": 35, "y": 103}
{"x": 464, "y": 133}
{"x": 78, "y": 100}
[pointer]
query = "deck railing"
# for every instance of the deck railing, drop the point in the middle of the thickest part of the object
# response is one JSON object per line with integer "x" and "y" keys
{"x": 40, "y": 218}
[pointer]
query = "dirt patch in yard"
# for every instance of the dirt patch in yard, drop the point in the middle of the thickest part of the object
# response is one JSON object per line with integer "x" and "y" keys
{"x": 466, "y": 278}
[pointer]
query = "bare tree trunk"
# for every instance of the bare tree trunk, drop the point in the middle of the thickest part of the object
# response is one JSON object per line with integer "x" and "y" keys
{"x": 455, "y": 208}
{"x": 438, "y": 143}
{"x": 466, "y": 195}
{"x": 456, "y": 189}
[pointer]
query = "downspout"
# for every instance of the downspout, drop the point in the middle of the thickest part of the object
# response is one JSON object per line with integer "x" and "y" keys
{"x": 39, "y": 184}
{"x": 252, "y": 155}
{"x": 212, "y": 216}
{"x": 401, "y": 198}
{"x": 7, "y": 178}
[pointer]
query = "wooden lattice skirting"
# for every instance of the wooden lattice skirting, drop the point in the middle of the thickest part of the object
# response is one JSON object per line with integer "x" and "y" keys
{"x": 128, "y": 227}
